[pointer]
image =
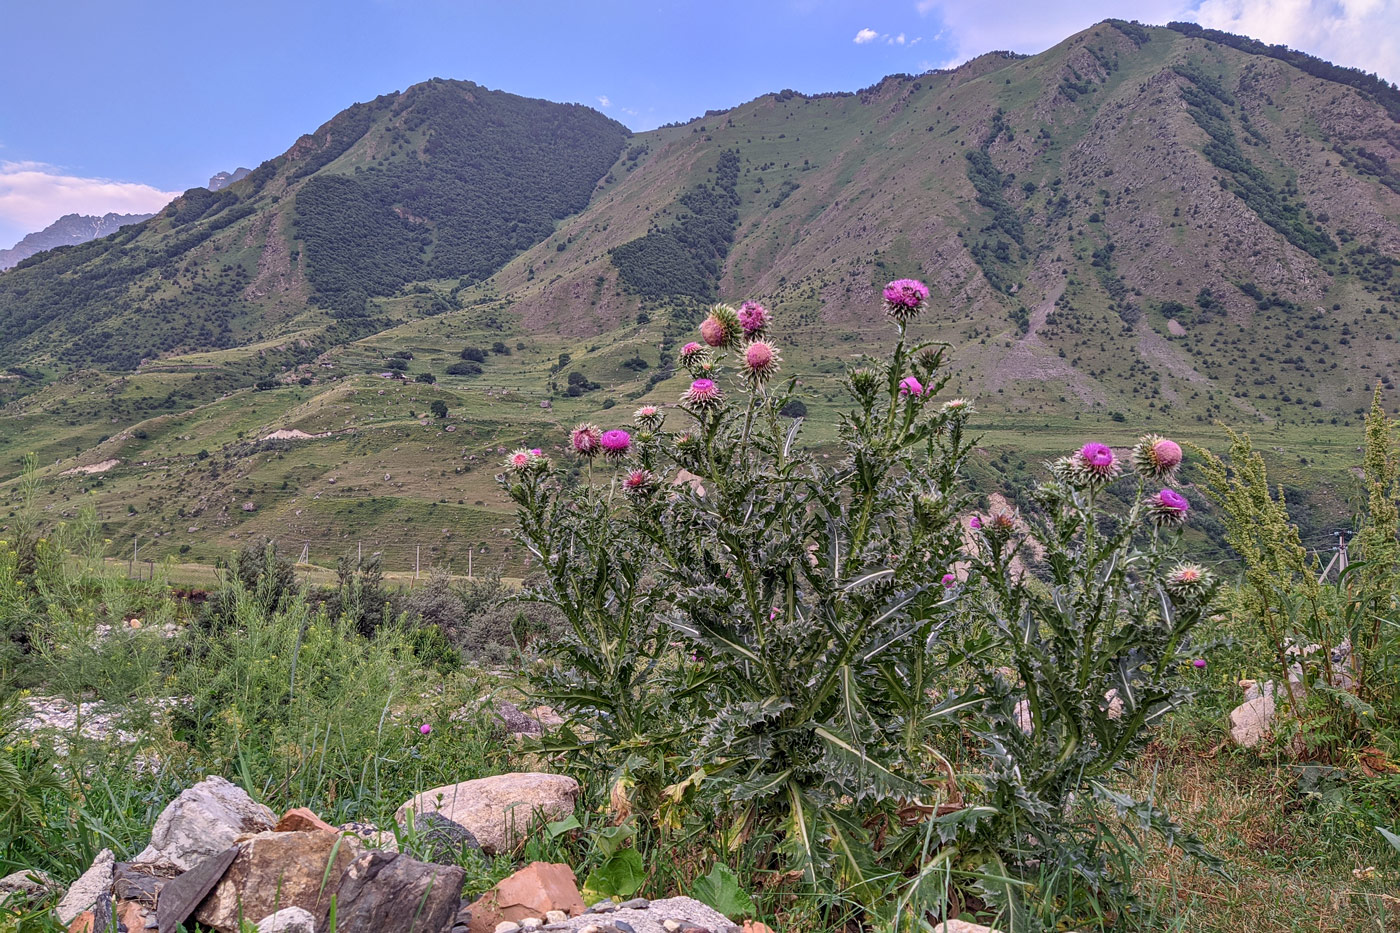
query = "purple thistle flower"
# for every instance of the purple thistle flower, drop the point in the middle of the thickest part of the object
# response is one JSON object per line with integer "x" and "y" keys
{"x": 904, "y": 299}
{"x": 703, "y": 393}
{"x": 425, "y": 729}
{"x": 949, "y": 581}
{"x": 754, "y": 319}
{"x": 638, "y": 483}
{"x": 721, "y": 329}
{"x": 1199, "y": 664}
{"x": 587, "y": 440}
{"x": 761, "y": 361}
{"x": 974, "y": 523}
{"x": 1168, "y": 507}
{"x": 1156, "y": 457}
{"x": 616, "y": 443}
{"x": 910, "y": 386}
{"x": 1092, "y": 464}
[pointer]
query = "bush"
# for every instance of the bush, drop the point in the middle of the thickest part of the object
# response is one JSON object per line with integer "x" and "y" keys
{"x": 438, "y": 408}
{"x": 464, "y": 369}
{"x": 474, "y": 354}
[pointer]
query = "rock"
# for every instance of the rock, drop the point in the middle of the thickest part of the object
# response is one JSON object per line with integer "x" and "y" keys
{"x": 142, "y": 882}
{"x": 516, "y": 722}
{"x": 205, "y": 820}
{"x": 506, "y": 926}
{"x": 288, "y": 920}
{"x": 1023, "y": 716}
{"x": 555, "y": 916}
{"x": 533, "y": 891}
{"x": 371, "y": 836}
{"x": 25, "y": 887}
{"x": 753, "y": 926}
{"x": 390, "y": 891}
{"x": 439, "y": 840}
{"x": 1251, "y": 720}
{"x": 546, "y": 717}
{"x": 667, "y": 915}
{"x": 277, "y": 870}
{"x": 499, "y": 811}
{"x": 181, "y": 895}
{"x": 962, "y": 926}
{"x": 132, "y": 915}
{"x": 83, "y": 894}
{"x": 302, "y": 820}
{"x": 81, "y": 923}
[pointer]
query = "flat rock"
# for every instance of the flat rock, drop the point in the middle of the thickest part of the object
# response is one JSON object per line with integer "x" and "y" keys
{"x": 181, "y": 895}
{"x": 84, "y": 892}
{"x": 439, "y": 840}
{"x": 391, "y": 891}
{"x": 288, "y": 920}
{"x": 1251, "y": 721}
{"x": 516, "y": 721}
{"x": 206, "y": 819}
{"x": 499, "y": 811}
{"x": 685, "y": 911}
{"x": 962, "y": 926}
{"x": 26, "y": 886}
{"x": 302, "y": 820}
{"x": 142, "y": 882}
{"x": 534, "y": 891}
{"x": 276, "y": 870}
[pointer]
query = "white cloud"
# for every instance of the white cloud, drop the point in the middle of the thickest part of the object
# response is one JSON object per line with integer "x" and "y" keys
{"x": 1358, "y": 33}
{"x": 603, "y": 101}
{"x": 1361, "y": 34}
{"x": 866, "y": 35}
{"x": 896, "y": 40}
{"x": 34, "y": 195}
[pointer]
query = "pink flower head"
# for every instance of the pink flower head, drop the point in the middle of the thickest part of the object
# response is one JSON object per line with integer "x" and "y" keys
{"x": 587, "y": 440}
{"x": 1004, "y": 522}
{"x": 1156, "y": 457}
{"x": 754, "y": 319}
{"x": 703, "y": 393}
{"x": 425, "y": 729}
{"x": 904, "y": 299}
{"x": 949, "y": 581}
{"x": 691, "y": 352}
{"x": 638, "y": 482}
{"x": 537, "y": 452}
{"x": 910, "y": 386}
{"x": 1199, "y": 663}
{"x": 1168, "y": 507}
{"x": 616, "y": 443}
{"x": 760, "y": 361}
{"x": 721, "y": 329}
{"x": 974, "y": 523}
{"x": 524, "y": 461}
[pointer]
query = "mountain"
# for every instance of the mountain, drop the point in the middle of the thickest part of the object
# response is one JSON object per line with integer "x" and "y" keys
{"x": 446, "y": 180}
{"x": 66, "y": 231}
{"x": 1139, "y": 229}
{"x": 224, "y": 179}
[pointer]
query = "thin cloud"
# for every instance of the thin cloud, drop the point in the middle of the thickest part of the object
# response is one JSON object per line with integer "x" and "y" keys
{"x": 866, "y": 35}
{"x": 34, "y": 195}
{"x": 603, "y": 101}
{"x": 895, "y": 40}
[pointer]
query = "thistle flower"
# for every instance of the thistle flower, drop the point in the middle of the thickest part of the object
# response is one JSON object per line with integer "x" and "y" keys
{"x": 754, "y": 319}
{"x": 910, "y": 386}
{"x": 1091, "y": 465}
{"x": 904, "y": 299}
{"x": 1168, "y": 507}
{"x": 1156, "y": 457}
{"x": 523, "y": 461}
{"x": 864, "y": 383}
{"x": 949, "y": 581}
{"x": 975, "y": 523}
{"x": 703, "y": 393}
{"x": 957, "y": 406}
{"x": 425, "y": 729}
{"x": 1199, "y": 664}
{"x": 616, "y": 443}
{"x": 721, "y": 329}
{"x": 649, "y": 416}
{"x": 1002, "y": 522}
{"x": 586, "y": 439}
{"x": 1189, "y": 583}
{"x": 693, "y": 353}
{"x": 638, "y": 483}
{"x": 761, "y": 361}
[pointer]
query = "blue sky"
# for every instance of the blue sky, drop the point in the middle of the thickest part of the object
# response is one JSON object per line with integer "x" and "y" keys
{"x": 116, "y": 106}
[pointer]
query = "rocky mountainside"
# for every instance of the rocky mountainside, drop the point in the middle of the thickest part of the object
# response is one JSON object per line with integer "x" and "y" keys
{"x": 68, "y": 230}
{"x": 224, "y": 179}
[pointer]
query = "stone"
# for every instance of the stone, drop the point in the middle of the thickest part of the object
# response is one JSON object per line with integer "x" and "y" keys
{"x": 531, "y": 892}
{"x": 142, "y": 882}
{"x": 555, "y": 916}
{"x": 302, "y": 820}
{"x": 391, "y": 891}
{"x": 499, "y": 811}
{"x": 288, "y": 920}
{"x": 275, "y": 870}
{"x": 371, "y": 836}
{"x": 1251, "y": 721}
{"x": 962, "y": 926}
{"x": 82, "y": 923}
{"x": 546, "y": 716}
{"x": 438, "y": 839}
{"x": 181, "y": 895}
{"x": 132, "y": 915}
{"x": 515, "y": 720}
{"x": 636, "y": 903}
{"x": 506, "y": 926}
{"x": 1023, "y": 716}
{"x": 664, "y": 915}
{"x": 531, "y": 923}
{"x": 26, "y": 886}
{"x": 206, "y": 819}
{"x": 753, "y": 926}
{"x": 83, "y": 893}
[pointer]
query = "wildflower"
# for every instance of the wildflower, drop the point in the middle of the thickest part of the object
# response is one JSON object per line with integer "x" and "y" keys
{"x": 692, "y": 353}
{"x": 910, "y": 386}
{"x": 523, "y": 461}
{"x": 721, "y": 329}
{"x": 1156, "y": 457}
{"x": 949, "y": 581}
{"x": 1168, "y": 507}
{"x": 649, "y": 416}
{"x": 761, "y": 361}
{"x": 638, "y": 483}
{"x": 974, "y": 523}
{"x": 1199, "y": 664}
{"x": 425, "y": 729}
{"x": 754, "y": 319}
{"x": 537, "y": 452}
{"x": 1003, "y": 522}
{"x": 957, "y": 406}
{"x": 703, "y": 393}
{"x": 904, "y": 299}
{"x": 586, "y": 440}
{"x": 616, "y": 443}
{"x": 1189, "y": 583}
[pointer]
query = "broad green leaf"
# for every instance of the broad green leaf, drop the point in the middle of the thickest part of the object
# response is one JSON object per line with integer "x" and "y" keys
{"x": 720, "y": 889}
{"x": 620, "y": 876}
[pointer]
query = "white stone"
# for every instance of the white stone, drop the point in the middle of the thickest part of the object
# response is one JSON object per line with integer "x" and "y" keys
{"x": 206, "y": 819}
{"x": 555, "y": 916}
{"x": 1251, "y": 720}
{"x": 507, "y": 926}
{"x": 83, "y": 894}
{"x": 498, "y": 810}
{"x": 288, "y": 920}
{"x": 962, "y": 926}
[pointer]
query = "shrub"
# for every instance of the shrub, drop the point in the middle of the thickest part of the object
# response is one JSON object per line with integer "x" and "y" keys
{"x": 464, "y": 369}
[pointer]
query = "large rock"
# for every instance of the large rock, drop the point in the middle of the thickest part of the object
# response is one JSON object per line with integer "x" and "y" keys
{"x": 1251, "y": 721}
{"x": 652, "y": 918}
{"x": 205, "y": 820}
{"x": 500, "y": 810}
{"x": 533, "y": 891}
{"x": 516, "y": 721}
{"x": 275, "y": 870}
{"x": 390, "y": 891}
{"x": 25, "y": 886}
{"x": 91, "y": 885}
{"x": 439, "y": 840}
{"x": 288, "y": 920}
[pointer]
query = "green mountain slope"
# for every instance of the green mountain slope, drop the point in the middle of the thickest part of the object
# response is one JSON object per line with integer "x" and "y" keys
{"x": 446, "y": 179}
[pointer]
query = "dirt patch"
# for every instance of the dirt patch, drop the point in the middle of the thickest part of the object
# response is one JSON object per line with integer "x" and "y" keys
{"x": 292, "y": 435}
{"x": 102, "y": 467}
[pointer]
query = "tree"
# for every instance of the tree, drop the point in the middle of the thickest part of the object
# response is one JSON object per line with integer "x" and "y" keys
{"x": 438, "y": 408}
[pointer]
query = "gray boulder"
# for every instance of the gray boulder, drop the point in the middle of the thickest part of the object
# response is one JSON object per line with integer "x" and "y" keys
{"x": 288, "y": 920}
{"x": 90, "y": 886}
{"x": 205, "y": 820}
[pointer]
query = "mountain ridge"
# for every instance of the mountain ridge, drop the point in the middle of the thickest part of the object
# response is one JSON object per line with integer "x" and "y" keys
{"x": 68, "y": 230}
